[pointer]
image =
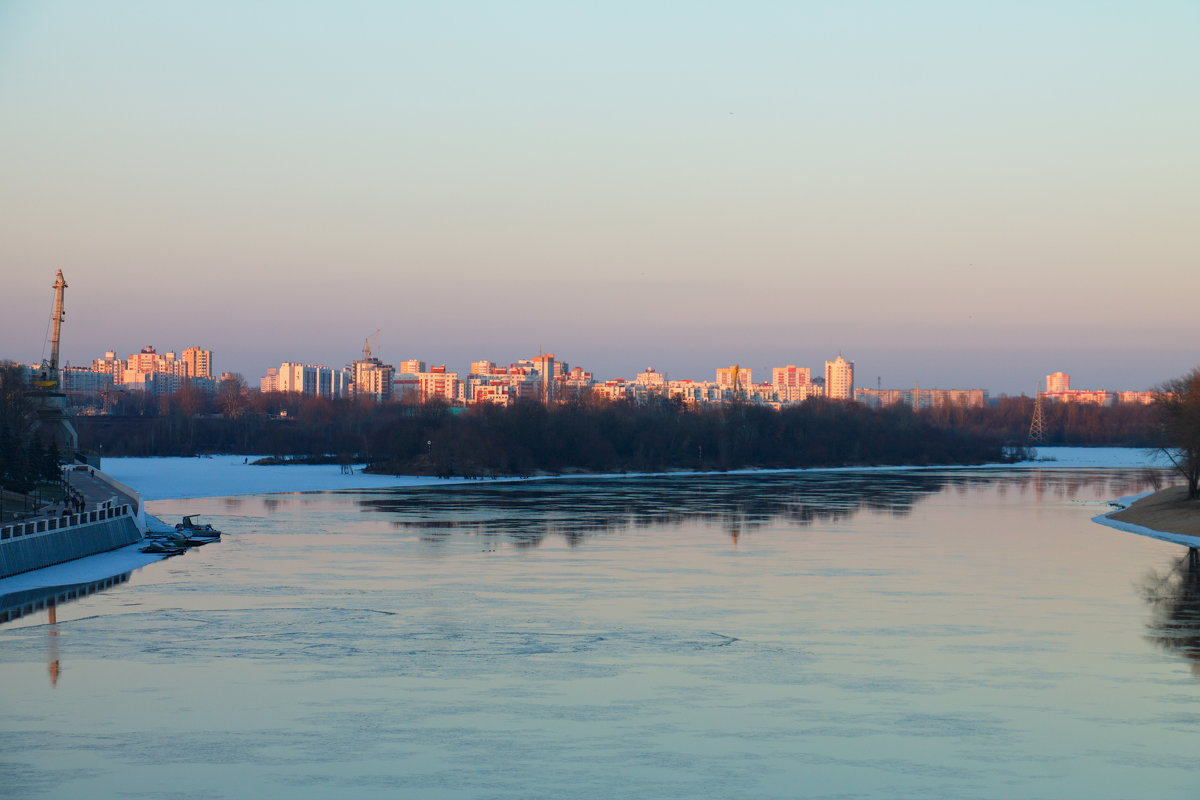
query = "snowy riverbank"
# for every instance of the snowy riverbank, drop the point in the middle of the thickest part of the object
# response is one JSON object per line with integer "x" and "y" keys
{"x": 1123, "y": 503}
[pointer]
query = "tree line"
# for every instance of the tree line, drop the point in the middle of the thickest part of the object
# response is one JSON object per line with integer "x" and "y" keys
{"x": 26, "y": 460}
{"x": 528, "y": 436}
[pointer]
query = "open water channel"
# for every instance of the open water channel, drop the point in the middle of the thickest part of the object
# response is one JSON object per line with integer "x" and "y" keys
{"x": 884, "y": 634}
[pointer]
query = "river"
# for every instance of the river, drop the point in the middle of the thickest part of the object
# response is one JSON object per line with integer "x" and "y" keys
{"x": 880, "y": 634}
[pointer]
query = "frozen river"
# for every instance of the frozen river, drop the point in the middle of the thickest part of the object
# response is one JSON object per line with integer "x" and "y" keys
{"x": 886, "y": 634}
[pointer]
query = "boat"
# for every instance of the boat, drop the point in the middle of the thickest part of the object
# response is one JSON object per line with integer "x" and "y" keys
{"x": 190, "y": 527}
{"x": 162, "y": 548}
{"x": 197, "y": 541}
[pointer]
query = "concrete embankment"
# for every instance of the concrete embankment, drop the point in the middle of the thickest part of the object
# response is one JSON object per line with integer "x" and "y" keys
{"x": 111, "y": 516}
{"x": 44, "y": 542}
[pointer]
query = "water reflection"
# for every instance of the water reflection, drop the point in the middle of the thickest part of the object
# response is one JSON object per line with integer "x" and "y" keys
{"x": 19, "y": 604}
{"x": 528, "y": 512}
{"x": 1174, "y": 598}
{"x": 15, "y": 605}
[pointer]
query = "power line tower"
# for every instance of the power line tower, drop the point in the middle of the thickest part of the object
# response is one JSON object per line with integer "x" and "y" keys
{"x": 1037, "y": 427}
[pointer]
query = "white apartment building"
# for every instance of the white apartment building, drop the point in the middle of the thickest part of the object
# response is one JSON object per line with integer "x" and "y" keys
{"x": 839, "y": 379}
{"x": 315, "y": 380}
{"x": 1058, "y": 382}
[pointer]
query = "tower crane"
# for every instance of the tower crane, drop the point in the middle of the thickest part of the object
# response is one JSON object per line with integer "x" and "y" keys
{"x": 367, "y": 345}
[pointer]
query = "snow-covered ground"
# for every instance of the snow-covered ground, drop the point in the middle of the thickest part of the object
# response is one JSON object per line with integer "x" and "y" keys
{"x": 81, "y": 570}
{"x": 224, "y": 476}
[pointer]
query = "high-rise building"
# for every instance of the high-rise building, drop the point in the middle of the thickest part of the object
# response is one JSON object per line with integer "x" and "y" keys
{"x": 197, "y": 362}
{"x": 793, "y": 384}
{"x": 725, "y": 376}
{"x": 839, "y": 379}
{"x": 544, "y": 364}
{"x": 315, "y": 380}
{"x": 412, "y": 366}
{"x": 1058, "y": 382}
{"x": 373, "y": 378}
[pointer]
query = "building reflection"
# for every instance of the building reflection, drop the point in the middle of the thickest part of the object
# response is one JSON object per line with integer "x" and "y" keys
{"x": 1174, "y": 599}
{"x": 529, "y": 511}
{"x": 19, "y": 604}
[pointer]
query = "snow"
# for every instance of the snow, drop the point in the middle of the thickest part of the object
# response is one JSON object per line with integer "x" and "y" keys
{"x": 1095, "y": 457}
{"x": 81, "y": 570}
{"x": 1128, "y": 527}
{"x": 225, "y": 476}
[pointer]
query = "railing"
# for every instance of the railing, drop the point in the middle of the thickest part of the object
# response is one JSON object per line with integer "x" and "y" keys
{"x": 106, "y": 512}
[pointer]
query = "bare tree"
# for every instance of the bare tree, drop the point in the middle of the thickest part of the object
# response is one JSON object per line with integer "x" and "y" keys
{"x": 232, "y": 395}
{"x": 1178, "y": 403}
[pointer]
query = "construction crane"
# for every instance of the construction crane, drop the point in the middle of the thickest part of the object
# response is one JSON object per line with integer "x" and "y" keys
{"x": 367, "y": 345}
{"x": 738, "y": 394}
{"x": 47, "y": 377}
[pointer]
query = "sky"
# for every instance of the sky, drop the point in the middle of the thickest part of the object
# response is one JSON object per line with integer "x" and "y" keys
{"x": 950, "y": 194}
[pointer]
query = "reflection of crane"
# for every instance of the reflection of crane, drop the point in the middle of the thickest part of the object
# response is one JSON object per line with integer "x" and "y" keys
{"x": 367, "y": 345}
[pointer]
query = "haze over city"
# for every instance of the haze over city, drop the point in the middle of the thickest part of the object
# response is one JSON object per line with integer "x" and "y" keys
{"x": 952, "y": 195}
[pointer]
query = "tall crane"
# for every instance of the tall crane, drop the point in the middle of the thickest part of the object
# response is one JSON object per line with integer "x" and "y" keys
{"x": 47, "y": 377}
{"x": 367, "y": 345}
{"x": 47, "y": 394}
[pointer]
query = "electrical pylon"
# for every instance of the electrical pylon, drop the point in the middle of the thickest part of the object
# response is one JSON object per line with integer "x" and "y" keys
{"x": 1037, "y": 427}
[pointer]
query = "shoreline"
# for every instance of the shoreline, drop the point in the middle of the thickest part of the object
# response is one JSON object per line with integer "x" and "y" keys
{"x": 1165, "y": 514}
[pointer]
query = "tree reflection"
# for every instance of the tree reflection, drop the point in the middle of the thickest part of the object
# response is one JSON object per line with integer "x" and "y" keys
{"x": 1174, "y": 599}
{"x": 527, "y": 512}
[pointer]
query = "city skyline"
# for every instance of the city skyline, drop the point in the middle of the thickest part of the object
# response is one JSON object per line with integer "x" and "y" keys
{"x": 712, "y": 371}
{"x": 949, "y": 195}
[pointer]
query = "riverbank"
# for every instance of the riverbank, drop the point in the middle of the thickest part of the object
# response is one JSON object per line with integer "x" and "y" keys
{"x": 1168, "y": 510}
{"x": 1165, "y": 515}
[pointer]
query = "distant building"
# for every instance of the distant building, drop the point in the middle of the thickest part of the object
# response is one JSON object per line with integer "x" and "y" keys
{"x": 270, "y": 381}
{"x": 314, "y": 380}
{"x": 86, "y": 382}
{"x": 922, "y": 398}
{"x": 651, "y": 379}
{"x": 733, "y": 380}
{"x": 373, "y": 378}
{"x": 422, "y": 387}
{"x": 793, "y": 384}
{"x": 197, "y": 362}
{"x": 1142, "y": 398}
{"x": 1083, "y": 396}
{"x": 839, "y": 379}
{"x": 1058, "y": 382}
